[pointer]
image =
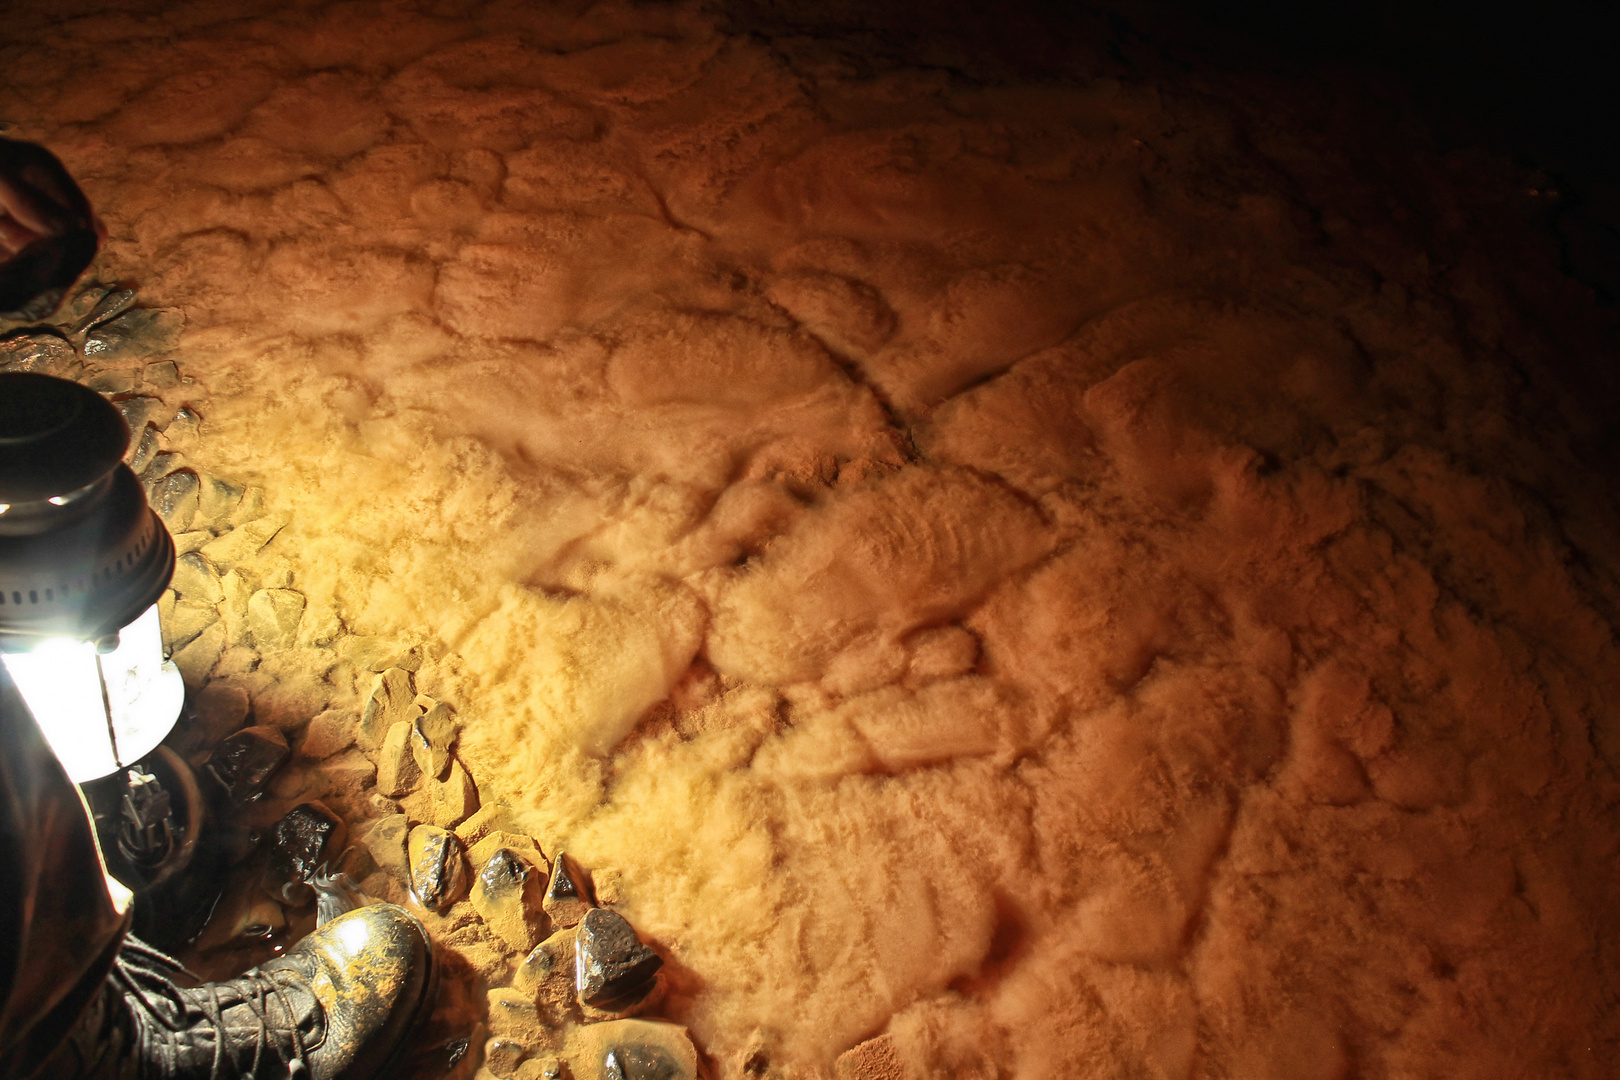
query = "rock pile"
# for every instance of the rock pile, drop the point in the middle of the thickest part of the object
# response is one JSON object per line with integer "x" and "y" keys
{"x": 564, "y": 975}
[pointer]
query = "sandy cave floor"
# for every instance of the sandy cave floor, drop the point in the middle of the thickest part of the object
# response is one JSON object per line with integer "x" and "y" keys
{"x": 1090, "y": 578}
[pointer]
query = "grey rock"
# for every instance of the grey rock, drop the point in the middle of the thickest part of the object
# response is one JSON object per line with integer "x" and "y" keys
{"x": 82, "y": 303}
{"x": 242, "y": 542}
{"x": 175, "y": 499}
{"x": 396, "y": 769}
{"x": 185, "y": 620}
{"x": 163, "y": 375}
{"x": 136, "y": 334}
{"x": 506, "y": 895}
{"x": 109, "y": 305}
{"x": 273, "y": 616}
{"x": 216, "y": 501}
{"x": 245, "y": 761}
{"x": 610, "y": 962}
{"x": 143, "y": 448}
{"x": 217, "y": 710}
{"x": 195, "y": 579}
{"x": 140, "y": 411}
{"x": 379, "y": 653}
{"x": 438, "y": 868}
{"x": 161, "y": 465}
{"x": 114, "y": 382}
{"x": 45, "y": 354}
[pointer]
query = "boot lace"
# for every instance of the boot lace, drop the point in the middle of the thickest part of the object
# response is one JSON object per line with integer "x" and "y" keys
{"x": 148, "y": 979}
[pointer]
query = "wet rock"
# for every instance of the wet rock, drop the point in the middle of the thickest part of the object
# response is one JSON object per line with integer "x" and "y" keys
{"x": 567, "y": 899}
{"x": 162, "y": 375}
{"x": 502, "y": 1056}
{"x": 273, "y": 616}
{"x": 216, "y": 500}
{"x": 244, "y": 762}
{"x": 140, "y": 411}
{"x": 111, "y": 382}
{"x": 386, "y": 840}
{"x": 184, "y": 620}
{"x": 309, "y": 837}
{"x": 241, "y": 917}
{"x": 434, "y": 734}
{"x": 390, "y": 702}
{"x": 506, "y": 894}
{"x": 379, "y": 653}
{"x": 109, "y": 304}
{"x": 438, "y": 871}
{"x": 46, "y": 354}
{"x": 185, "y": 425}
{"x": 242, "y": 542}
{"x": 611, "y": 964}
{"x": 198, "y": 659}
{"x": 137, "y": 333}
{"x": 161, "y": 465}
{"x": 635, "y": 1050}
{"x": 81, "y": 303}
{"x": 195, "y": 579}
{"x": 175, "y": 500}
{"x": 329, "y": 733}
{"x": 874, "y": 1059}
{"x": 396, "y": 769}
{"x": 143, "y": 447}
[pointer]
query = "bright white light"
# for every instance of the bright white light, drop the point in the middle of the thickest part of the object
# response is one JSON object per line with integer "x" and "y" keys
{"x": 57, "y": 500}
{"x": 4, "y": 507}
{"x": 59, "y": 681}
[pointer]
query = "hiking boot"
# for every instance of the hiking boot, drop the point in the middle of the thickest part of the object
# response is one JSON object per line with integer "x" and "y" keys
{"x": 336, "y": 1006}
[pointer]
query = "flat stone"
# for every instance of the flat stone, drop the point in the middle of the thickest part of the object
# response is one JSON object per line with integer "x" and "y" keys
{"x": 608, "y": 885}
{"x": 82, "y": 303}
{"x": 379, "y": 653}
{"x": 389, "y": 703}
{"x": 610, "y": 962}
{"x": 162, "y": 375}
{"x": 45, "y": 354}
{"x": 107, "y": 304}
{"x": 307, "y": 838}
{"x": 874, "y": 1059}
{"x": 187, "y": 542}
{"x": 198, "y": 659}
{"x": 454, "y": 798}
{"x": 396, "y": 769}
{"x": 242, "y": 542}
{"x": 489, "y": 818}
{"x": 506, "y": 894}
{"x": 502, "y": 1056}
{"x": 196, "y": 579}
{"x": 347, "y": 773}
{"x": 635, "y": 1050}
{"x": 140, "y": 411}
{"x": 567, "y": 900}
{"x": 138, "y": 332}
{"x": 216, "y": 500}
{"x": 244, "y": 762}
{"x": 161, "y": 465}
{"x": 329, "y": 733}
{"x": 238, "y": 589}
{"x": 249, "y": 508}
{"x": 434, "y": 734}
{"x": 438, "y": 870}
{"x": 273, "y": 616}
{"x": 385, "y": 839}
{"x": 184, "y": 620}
{"x": 111, "y": 382}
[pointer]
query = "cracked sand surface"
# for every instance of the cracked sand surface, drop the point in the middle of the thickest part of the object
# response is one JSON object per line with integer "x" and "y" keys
{"x": 1088, "y": 578}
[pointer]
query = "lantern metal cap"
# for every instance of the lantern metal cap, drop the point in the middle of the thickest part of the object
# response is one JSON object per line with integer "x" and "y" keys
{"x": 56, "y": 437}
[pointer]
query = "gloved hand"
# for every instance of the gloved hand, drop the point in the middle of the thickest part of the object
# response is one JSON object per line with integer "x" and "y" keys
{"x": 48, "y": 232}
